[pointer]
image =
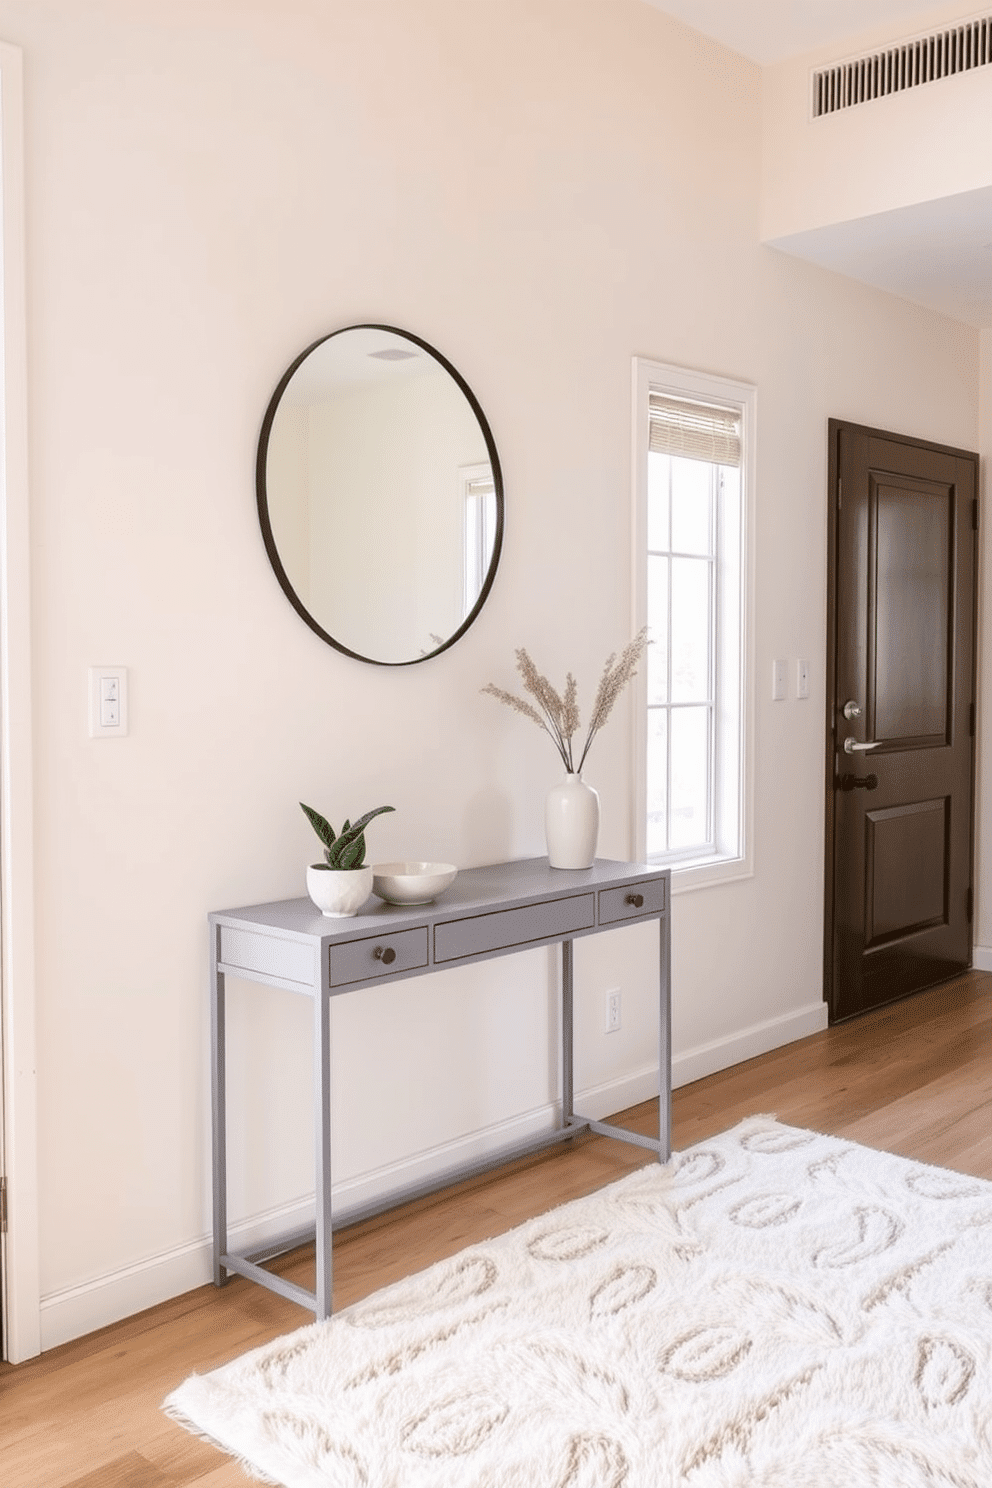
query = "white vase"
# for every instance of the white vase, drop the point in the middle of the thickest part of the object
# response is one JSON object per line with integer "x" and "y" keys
{"x": 571, "y": 823}
{"x": 338, "y": 892}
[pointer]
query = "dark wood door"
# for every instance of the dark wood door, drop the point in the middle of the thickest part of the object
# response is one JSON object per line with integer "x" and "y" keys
{"x": 902, "y": 665}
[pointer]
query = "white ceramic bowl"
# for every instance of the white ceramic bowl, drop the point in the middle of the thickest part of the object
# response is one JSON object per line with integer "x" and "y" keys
{"x": 411, "y": 883}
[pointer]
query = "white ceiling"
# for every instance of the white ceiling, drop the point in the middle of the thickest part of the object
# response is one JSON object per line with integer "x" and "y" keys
{"x": 771, "y": 30}
{"x": 937, "y": 254}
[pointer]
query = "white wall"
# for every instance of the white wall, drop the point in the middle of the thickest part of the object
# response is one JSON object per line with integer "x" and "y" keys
{"x": 540, "y": 189}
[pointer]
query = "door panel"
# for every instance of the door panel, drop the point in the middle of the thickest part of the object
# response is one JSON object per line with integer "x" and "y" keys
{"x": 914, "y": 595}
{"x": 899, "y": 812}
{"x": 906, "y": 853}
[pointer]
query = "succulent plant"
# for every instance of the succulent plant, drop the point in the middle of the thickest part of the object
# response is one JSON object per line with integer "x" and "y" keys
{"x": 344, "y": 849}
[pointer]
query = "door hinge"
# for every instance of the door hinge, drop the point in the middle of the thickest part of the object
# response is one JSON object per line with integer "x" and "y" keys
{"x": 971, "y": 903}
{"x": 3, "y": 1206}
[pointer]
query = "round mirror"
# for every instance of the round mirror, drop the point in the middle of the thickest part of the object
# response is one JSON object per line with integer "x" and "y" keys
{"x": 380, "y": 495}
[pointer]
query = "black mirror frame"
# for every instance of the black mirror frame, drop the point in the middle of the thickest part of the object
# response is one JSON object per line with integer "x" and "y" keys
{"x": 261, "y": 495}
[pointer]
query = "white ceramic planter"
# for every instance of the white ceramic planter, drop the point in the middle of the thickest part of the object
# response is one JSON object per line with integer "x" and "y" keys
{"x": 571, "y": 823}
{"x": 338, "y": 892}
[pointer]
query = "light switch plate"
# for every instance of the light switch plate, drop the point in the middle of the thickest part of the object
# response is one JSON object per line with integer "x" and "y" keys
{"x": 779, "y": 683}
{"x": 108, "y": 702}
{"x": 802, "y": 679}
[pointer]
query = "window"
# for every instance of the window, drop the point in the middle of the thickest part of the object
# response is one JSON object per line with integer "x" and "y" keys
{"x": 479, "y": 505}
{"x": 693, "y": 439}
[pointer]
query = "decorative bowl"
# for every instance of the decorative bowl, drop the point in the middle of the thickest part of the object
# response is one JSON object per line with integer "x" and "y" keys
{"x": 412, "y": 883}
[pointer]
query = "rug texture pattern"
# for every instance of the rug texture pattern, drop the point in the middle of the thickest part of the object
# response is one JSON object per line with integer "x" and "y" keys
{"x": 772, "y": 1309}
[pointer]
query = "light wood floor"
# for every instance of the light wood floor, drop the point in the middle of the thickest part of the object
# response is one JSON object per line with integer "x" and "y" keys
{"x": 915, "y": 1079}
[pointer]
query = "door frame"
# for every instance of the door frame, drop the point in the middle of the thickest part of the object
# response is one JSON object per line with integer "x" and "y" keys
{"x": 18, "y": 1085}
{"x": 834, "y": 427}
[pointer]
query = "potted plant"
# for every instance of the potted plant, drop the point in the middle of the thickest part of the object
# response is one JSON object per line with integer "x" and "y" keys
{"x": 341, "y": 884}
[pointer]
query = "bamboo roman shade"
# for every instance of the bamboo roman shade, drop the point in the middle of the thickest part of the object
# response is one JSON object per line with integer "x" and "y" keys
{"x": 696, "y": 431}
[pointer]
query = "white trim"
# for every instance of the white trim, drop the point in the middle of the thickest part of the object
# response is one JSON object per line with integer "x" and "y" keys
{"x": 703, "y": 875}
{"x": 747, "y": 1043}
{"x": 981, "y": 958}
{"x": 686, "y": 382}
{"x": 17, "y": 1009}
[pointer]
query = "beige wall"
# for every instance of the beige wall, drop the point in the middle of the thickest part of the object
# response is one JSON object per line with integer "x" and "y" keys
{"x": 541, "y": 189}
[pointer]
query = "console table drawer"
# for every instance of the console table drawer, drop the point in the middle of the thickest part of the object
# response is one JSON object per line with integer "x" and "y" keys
{"x": 622, "y": 904}
{"x": 509, "y": 929}
{"x": 361, "y": 960}
{"x": 251, "y": 953}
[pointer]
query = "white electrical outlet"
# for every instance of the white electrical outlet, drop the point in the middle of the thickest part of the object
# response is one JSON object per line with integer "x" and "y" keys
{"x": 613, "y": 1010}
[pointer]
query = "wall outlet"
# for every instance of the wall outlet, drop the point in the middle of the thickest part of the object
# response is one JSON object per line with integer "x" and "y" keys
{"x": 613, "y": 1010}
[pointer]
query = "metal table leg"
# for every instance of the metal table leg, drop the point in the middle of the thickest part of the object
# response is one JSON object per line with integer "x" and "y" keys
{"x": 662, "y": 1144}
{"x": 218, "y": 1057}
{"x": 322, "y": 1149}
{"x": 567, "y": 1033}
{"x": 665, "y": 1040}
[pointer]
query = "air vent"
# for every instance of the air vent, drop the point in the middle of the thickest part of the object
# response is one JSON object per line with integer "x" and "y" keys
{"x": 908, "y": 65}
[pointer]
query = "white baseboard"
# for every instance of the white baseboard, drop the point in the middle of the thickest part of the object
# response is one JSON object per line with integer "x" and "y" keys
{"x": 760, "y": 1038}
{"x": 76, "y": 1310}
{"x": 981, "y": 958}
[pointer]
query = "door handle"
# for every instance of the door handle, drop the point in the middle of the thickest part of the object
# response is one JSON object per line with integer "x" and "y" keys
{"x": 853, "y": 746}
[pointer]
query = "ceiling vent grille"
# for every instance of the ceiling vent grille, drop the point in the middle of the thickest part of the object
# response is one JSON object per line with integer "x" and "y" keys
{"x": 908, "y": 65}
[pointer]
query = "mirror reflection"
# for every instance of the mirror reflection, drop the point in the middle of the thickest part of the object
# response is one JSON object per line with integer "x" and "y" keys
{"x": 379, "y": 495}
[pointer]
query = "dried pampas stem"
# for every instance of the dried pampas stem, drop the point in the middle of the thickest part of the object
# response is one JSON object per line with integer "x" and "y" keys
{"x": 558, "y": 714}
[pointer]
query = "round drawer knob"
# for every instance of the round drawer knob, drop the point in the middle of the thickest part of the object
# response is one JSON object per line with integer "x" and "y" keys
{"x": 385, "y": 954}
{"x": 637, "y": 900}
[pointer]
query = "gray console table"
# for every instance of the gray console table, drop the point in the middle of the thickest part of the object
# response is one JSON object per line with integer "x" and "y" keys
{"x": 487, "y": 912}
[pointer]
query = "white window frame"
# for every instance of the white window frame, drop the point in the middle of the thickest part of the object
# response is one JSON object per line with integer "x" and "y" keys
{"x": 479, "y": 529}
{"x": 735, "y": 695}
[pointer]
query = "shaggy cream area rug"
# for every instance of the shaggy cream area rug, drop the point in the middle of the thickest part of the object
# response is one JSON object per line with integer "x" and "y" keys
{"x": 772, "y": 1309}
